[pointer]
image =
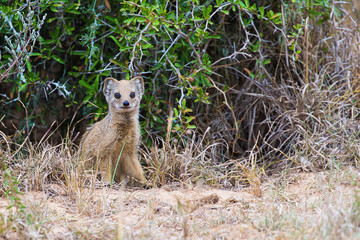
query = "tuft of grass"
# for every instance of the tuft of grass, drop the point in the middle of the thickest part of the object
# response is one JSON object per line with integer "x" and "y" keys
{"x": 193, "y": 161}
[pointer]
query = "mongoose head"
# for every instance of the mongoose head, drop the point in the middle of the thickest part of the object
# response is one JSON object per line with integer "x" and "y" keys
{"x": 123, "y": 96}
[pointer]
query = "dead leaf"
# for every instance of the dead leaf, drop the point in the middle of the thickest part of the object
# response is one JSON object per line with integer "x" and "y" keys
{"x": 107, "y": 4}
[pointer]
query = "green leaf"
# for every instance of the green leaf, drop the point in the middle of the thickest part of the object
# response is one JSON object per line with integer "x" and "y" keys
{"x": 73, "y": 12}
{"x": 176, "y": 113}
{"x": 87, "y": 98}
{"x": 75, "y": 74}
{"x": 207, "y": 11}
{"x": 95, "y": 85}
{"x": 58, "y": 59}
{"x": 35, "y": 54}
{"x": 148, "y": 45}
{"x": 183, "y": 103}
{"x": 213, "y": 37}
{"x": 105, "y": 73}
{"x": 125, "y": 48}
{"x": 261, "y": 10}
{"x": 113, "y": 60}
{"x": 219, "y": 2}
{"x": 267, "y": 61}
{"x": 94, "y": 65}
{"x": 85, "y": 84}
{"x": 247, "y": 4}
{"x": 156, "y": 67}
{"x": 54, "y": 9}
{"x": 129, "y": 20}
{"x": 28, "y": 65}
{"x": 78, "y": 53}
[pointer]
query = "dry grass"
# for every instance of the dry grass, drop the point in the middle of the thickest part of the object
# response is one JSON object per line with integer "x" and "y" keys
{"x": 293, "y": 205}
{"x": 57, "y": 201}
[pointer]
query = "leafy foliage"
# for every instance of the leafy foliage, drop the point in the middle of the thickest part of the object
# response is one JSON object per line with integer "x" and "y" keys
{"x": 218, "y": 64}
{"x": 80, "y": 43}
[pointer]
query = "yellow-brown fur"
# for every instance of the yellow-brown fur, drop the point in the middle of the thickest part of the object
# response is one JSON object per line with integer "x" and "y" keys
{"x": 102, "y": 143}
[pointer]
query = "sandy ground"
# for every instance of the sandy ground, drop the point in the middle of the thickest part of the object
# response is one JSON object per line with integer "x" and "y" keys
{"x": 298, "y": 205}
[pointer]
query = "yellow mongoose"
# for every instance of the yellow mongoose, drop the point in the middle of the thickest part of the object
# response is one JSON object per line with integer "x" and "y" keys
{"x": 118, "y": 131}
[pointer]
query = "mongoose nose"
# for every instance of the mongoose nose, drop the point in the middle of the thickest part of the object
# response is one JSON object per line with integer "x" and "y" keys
{"x": 126, "y": 103}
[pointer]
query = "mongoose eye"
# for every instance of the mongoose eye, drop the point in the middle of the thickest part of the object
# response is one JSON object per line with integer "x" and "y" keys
{"x": 117, "y": 95}
{"x": 132, "y": 95}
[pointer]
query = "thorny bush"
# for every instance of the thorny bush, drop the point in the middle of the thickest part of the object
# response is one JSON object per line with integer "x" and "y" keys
{"x": 242, "y": 68}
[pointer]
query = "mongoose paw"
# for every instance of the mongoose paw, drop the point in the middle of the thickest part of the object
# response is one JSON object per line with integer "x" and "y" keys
{"x": 142, "y": 184}
{"x": 148, "y": 185}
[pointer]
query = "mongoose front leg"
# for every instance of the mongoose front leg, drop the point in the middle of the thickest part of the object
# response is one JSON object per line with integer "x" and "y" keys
{"x": 133, "y": 169}
{"x": 105, "y": 170}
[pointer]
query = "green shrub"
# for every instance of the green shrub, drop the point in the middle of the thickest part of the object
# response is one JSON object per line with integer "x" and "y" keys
{"x": 82, "y": 42}
{"x": 227, "y": 65}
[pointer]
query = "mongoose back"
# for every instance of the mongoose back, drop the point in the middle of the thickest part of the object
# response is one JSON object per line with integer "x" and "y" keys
{"x": 118, "y": 131}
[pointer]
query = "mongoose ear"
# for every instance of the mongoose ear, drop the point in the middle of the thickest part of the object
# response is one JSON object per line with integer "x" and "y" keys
{"x": 139, "y": 84}
{"x": 108, "y": 85}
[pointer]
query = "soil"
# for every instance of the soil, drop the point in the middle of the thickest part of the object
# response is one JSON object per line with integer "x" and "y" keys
{"x": 197, "y": 213}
